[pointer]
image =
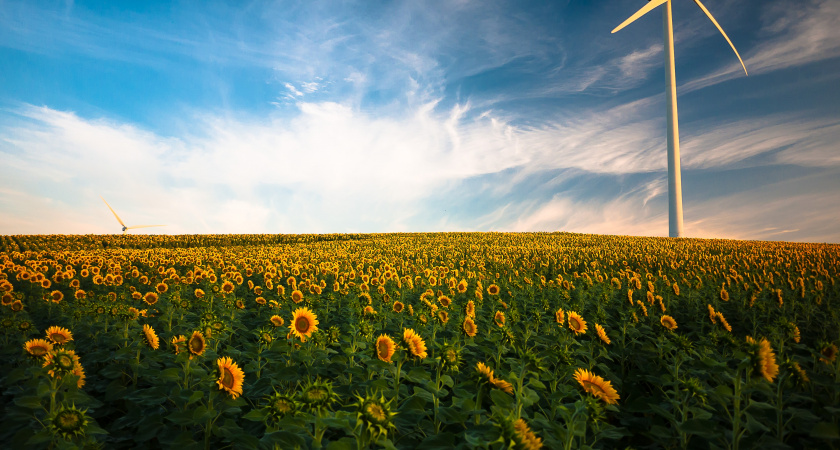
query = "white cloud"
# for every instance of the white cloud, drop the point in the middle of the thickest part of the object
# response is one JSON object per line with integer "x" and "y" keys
{"x": 793, "y": 34}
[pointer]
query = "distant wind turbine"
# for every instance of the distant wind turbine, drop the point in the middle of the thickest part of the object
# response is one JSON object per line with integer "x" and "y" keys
{"x": 123, "y": 224}
{"x": 675, "y": 213}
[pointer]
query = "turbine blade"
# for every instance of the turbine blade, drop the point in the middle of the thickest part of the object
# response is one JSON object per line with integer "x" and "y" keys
{"x": 645, "y": 9}
{"x": 723, "y": 33}
{"x": 143, "y": 226}
{"x": 112, "y": 210}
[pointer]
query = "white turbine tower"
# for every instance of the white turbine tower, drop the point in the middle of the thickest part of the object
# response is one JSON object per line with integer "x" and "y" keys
{"x": 124, "y": 228}
{"x": 675, "y": 214}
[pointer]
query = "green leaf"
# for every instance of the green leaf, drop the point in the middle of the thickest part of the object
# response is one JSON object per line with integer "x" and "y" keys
{"x": 256, "y": 415}
{"x": 501, "y": 399}
{"x": 825, "y": 430}
{"x": 173, "y": 374}
{"x": 418, "y": 375}
{"x": 424, "y": 394}
{"x": 284, "y": 439}
{"x": 28, "y": 401}
{"x": 702, "y": 428}
{"x": 451, "y": 415}
{"x": 344, "y": 443}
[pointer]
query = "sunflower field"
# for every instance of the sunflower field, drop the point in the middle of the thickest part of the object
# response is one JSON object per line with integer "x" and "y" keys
{"x": 438, "y": 340}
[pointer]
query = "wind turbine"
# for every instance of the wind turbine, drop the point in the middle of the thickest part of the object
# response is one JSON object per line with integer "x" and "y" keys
{"x": 675, "y": 213}
{"x": 123, "y": 224}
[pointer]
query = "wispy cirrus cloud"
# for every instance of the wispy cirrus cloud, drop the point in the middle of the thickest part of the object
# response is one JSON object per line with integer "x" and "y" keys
{"x": 792, "y": 34}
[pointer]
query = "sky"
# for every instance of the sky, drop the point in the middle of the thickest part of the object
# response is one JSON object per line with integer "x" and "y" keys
{"x": 415, "y": 116}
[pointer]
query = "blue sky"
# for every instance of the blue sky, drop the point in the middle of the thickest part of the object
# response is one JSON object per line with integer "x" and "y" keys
{"x": 365, "y": 116}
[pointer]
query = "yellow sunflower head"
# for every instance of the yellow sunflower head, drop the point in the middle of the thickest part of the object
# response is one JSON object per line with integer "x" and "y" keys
{"x": 150, "y": 336}
{"x": 415, "y": 344}
{"x": 469, "y": 327}
{"x": 499, "y": 318}
{"x": 597, "y": 386}
{"x": 231, "y": 377}
{"x": 304, "y": 323}
{"x": 668, "y": 322}
{"x": 150, "y": 298}
{"x": 180, "y": 343}
{"x": 297, "y": 296}
{"x": 59, "y": 335}
{"x": 197, "y": 344}
{"x": 602, "y": 333}
{"x": 576, "y": 323}
{"x": 385, "y": 347}
{"x": 38, "y": 347}
{"x": 277, "y": 321}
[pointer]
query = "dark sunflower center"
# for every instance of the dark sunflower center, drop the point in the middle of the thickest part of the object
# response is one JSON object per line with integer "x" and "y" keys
{"x": 38, "y": 351}
{"x": 64, "y": 362}
{"x": 196, "y": 345}
{"x": 68, "y": 420}
{"x": 282, "y": 406}
{"x": 317, "y": 394}
{"x": 384, "y": 348}
{"x": 227, "y": 378}
{"x": 302, "y": 324}
{"x": 58, "y": 338}
{"x": 375, "y": 412}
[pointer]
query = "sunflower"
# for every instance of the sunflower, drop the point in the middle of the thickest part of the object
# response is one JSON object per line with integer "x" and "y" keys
{"x": 526, "y": 438}
{"x": 493, "y": 289}
{"x": 462, "y": 286}
{"x": 60, "y": 362}
{"x": 227, "y": 287}
{"x": 280, "y": 406}
{"x": 304, "y": 323}
{"x": 199, "y": 293}
{"x": 444, "y": 301}
{"x": 502, "y": 385}
{"x": 59, "y": 335}
{"x": 230, "y": 377}
{"x": 162, "y": 287}
{"x": 829, "y": 353}
{"x": 56, "y": 296}
{"x": 150, "y": 298}
{"x": 415, "y": 343}
{"x": 796, "y": 336}
{"x": 470, "y": 309}
{"x": 597, "y": 386}
{"x": 384, "y": 347}
{"x": 469, "y": 327}
{"x": 723, "y": 322}
{"x": 7, "y": 299}
{"x": 38, "y": 347}
{"x": 297, "y": 296}
{"x": 765, "y": 359}
{"x": 276, "y": 320}
{"x": 499, "y": 318}
{"x": 560, "y": 316}
{"x": 151, "y": 336}
{"x": 196, "y": 345}
{"x": 576, "y": 323}
{"x": 668, "y": 322}
{"x": 260, "y": 301}
{"x": 69, "y": 422}
{"x": 602, "y": 333}
{"x": 16, "y": 306}
{"x": 180, "y": 343}
{"x": 398, "y": 307}
{"x": 712, "y": 314}
{"x": 484, "y": 372}
{"x": 443, "y": 316}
